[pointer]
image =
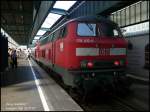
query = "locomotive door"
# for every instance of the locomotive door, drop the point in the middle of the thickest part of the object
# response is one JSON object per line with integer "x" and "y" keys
{"x": 53, "y": 54}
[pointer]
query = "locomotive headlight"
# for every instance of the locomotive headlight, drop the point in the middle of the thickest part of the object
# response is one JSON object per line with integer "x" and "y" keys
{"x": 90, "y": 65}
{"x": 87, "y": 64}
{"x": 116, "y": 63}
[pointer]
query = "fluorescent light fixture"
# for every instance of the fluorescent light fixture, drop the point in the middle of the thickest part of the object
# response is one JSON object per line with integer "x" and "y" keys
{"x": 40, "y": 32}
{"x": 66, "y": 5}
{"x": 50, "y": 20}
{"x": 36, "y": 37}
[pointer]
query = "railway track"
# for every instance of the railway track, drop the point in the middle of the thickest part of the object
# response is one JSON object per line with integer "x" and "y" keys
{"x": 105, "y": 103}
{"x": 99, "y": 102}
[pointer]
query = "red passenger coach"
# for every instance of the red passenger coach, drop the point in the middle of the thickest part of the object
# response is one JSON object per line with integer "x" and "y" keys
{"x": 85, "y": 49}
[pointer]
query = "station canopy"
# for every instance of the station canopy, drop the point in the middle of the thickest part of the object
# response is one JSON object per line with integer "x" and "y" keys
{"x": 17, "y": 19}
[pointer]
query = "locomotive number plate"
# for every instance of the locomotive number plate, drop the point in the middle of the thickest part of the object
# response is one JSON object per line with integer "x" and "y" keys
{"x": 87, "y": 51}
{"x": 117, "y": 51}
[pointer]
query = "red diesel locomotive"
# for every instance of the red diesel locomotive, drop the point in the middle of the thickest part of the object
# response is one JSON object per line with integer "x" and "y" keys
{"x": 85, "y": 52}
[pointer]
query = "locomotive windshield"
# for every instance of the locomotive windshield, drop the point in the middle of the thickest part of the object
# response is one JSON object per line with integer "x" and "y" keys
{"x": 109, "y": 30}
{"x": 86, "y": 29}
{"x": 100, "y": 29}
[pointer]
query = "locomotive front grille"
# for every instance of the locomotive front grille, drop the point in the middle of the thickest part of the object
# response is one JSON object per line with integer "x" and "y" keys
{"x": 104, "y": 64}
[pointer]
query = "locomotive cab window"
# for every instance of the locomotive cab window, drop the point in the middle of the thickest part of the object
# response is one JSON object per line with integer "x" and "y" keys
{"x": 110, "y": 30}
{"x": 115, "y": 32}
{"x": 86, "y": 29}
{"x": 56, "y": 35}
{"x": 98, "y": 29}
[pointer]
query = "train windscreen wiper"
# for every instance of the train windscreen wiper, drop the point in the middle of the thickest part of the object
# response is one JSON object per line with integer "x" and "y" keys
{"x": 90, "y": 27}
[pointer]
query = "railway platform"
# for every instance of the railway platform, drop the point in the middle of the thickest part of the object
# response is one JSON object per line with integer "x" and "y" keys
{"x": 28, "y": 87}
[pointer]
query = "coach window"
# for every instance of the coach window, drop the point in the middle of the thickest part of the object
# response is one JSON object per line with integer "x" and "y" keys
{"x": 43, "y": 53}
{"x": 51, "y": 37}
{"x": 45, "y": 40}
{"x": 56, "y": 35}
{"x": 86, "y": 29}
{"x": 63, "y": 32}
{"x": 42, "y": 42}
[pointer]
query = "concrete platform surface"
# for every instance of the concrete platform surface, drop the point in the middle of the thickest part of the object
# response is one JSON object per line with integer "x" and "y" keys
{"x": 31, "y": 89}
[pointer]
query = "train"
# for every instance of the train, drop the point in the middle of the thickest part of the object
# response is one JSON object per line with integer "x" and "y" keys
{"x": 86, "y": 52}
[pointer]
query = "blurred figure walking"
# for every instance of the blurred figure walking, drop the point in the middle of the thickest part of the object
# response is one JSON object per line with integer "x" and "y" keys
{"x": 28, "y": 55}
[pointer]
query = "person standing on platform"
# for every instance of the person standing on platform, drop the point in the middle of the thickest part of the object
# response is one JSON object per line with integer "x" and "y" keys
{"x": 10, "y": 62}
{"x": 14, "y": 59}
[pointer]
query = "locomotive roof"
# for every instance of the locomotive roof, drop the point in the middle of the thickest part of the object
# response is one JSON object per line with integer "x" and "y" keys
{"x": 87, "y": 19}
{"x": 91, "y": 18}
{"x": 84, "y": 19}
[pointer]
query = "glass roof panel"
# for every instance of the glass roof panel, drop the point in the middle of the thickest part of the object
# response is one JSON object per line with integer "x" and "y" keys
{"x": 66, "y": 5}
{"x": 50, "y": 20}
{"x": 36, "y": 37}
{"x": 40, "y": 32}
